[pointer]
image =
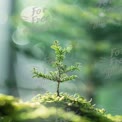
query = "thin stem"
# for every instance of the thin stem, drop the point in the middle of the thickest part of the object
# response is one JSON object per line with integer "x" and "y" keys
{"x": 58, "y": 88}
{"x": 58, "y": 93}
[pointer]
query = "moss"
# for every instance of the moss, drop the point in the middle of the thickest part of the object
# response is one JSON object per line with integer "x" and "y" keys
{"x": 77, "y": 104}
{"x": 116, "y": 118}
{"x": 15, "y": 110}
{"x": 50, "y": 108}
{"x": 7, "y": 105}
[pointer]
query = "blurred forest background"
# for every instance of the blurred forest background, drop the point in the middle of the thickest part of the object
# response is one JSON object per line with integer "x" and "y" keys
{"x": 93, "y": 28}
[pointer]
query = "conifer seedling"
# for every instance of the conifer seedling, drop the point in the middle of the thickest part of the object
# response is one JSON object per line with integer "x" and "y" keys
{"x": 60, "y": 74}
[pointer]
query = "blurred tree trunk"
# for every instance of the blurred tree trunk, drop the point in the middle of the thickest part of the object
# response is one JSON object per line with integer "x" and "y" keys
{"x": 11, "y": 79}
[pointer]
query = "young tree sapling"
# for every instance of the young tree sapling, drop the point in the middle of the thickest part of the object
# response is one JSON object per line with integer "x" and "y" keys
{"x": 60, "y": 74}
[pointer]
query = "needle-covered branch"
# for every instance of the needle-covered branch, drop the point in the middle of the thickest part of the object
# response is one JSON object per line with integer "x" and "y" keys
{"x": 42, "y": 75}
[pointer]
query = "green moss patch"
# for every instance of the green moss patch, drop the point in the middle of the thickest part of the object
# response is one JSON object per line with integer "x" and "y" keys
{"x": 51, "y": 108}
{"x": 76, "y": 104}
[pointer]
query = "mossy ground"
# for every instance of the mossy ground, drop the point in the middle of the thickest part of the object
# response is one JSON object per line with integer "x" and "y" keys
{"x": 76, "y": 104}
{"x": 50, "y": 108}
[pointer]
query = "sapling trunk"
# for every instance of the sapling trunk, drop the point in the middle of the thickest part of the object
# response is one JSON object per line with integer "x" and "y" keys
{"x": 58, "y": 94}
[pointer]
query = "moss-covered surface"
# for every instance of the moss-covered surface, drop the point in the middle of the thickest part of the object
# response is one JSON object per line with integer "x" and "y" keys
{"x": 77, "y": 104}
{"x": 14, "y": 110}
{"x": 50, "y": 108}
